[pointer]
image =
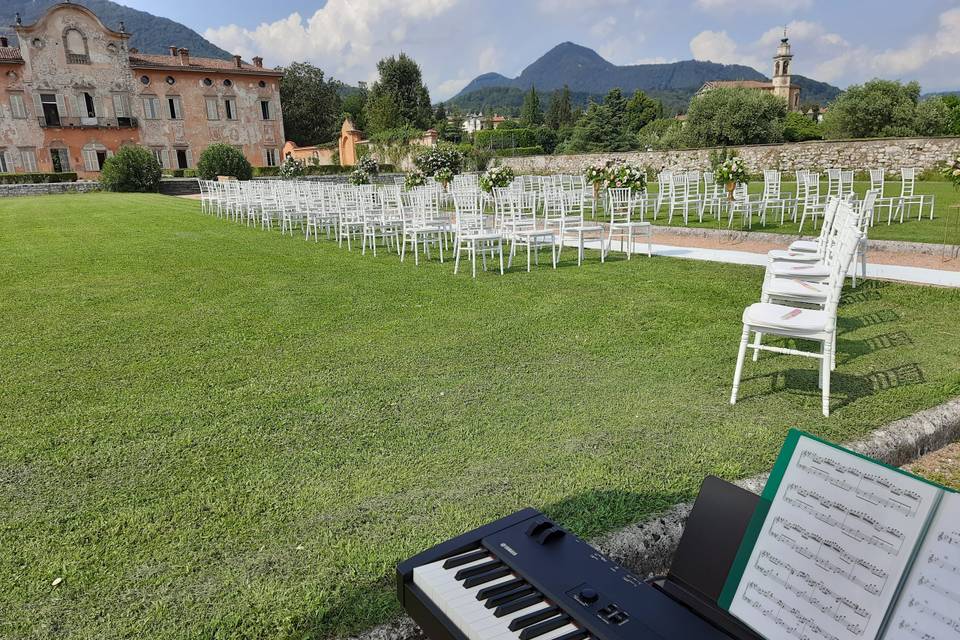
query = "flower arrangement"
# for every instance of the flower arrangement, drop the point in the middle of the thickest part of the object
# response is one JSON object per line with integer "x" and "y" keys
{"x": 596, "y": 173}
{"x": 291, "y": 168}
{"x": 444, "y": 176}
{"x": 497, "y": 177}
{"x": 442, "y": 156}
{"x": 622, "y": 175}
{"x": 732, "y": 170}
{"x": 952, "y": 172}
{"x": 616, "y": 175}
{"x": 414, "y": 179}
{"x": 369, "y": 164}
{"x": 359, "y": 176}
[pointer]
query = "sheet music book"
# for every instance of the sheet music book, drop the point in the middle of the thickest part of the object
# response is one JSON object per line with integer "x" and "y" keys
{"x": 842, "y": 547}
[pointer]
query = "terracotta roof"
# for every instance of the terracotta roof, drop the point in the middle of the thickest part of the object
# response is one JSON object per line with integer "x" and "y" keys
{"x": 747, "y": 84}
{"x": 11, "y": 53}
{"x": 148, "y": 60}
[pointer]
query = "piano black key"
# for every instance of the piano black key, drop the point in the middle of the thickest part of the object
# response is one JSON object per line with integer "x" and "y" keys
{"x": 466, "y": 558}
{"x": 510, "y": 596}
{"x": 462, "y": 574}
{"x": 516, "y": 605}
{"x": 544, "y": 627}
{"x": 488, "y": 592}
{"x": 532, "y": 618}
{"x": 484, "y": 578}
{"x": 579, "y": 634}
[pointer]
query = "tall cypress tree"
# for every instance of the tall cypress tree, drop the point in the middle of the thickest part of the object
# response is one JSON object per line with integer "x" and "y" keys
{"x": 531, "y": 114}
{"x": 560, "y": 112}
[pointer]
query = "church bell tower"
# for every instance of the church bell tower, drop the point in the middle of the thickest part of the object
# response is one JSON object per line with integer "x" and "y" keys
{"x": 781, "y": 70}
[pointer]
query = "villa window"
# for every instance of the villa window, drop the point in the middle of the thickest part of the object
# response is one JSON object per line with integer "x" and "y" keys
{"x": 174, "y": 108}
{"x": 270, "y": 157}
{"x": 213, "y": 109}
{"x": 61, "y": 160}
{"x": 5, "y": 164}
{"x": 151, "y": 108}
{"x": 75, "y": 44}
{"x": 161, "y": 155}
{"x": 265, "y": 109}
{"x": 28, "y": 156}
{"x": 230, "y": 108}
{"x": 17, "y": 107}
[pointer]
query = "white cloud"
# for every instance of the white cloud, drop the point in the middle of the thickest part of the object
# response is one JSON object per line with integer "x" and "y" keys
{"x": 344, "y": 37}
{"x": 604, "y": 27}
{"x": 553, "y": 6}
{"x": 718, "y": 46}
{"x": 753, "y": 5}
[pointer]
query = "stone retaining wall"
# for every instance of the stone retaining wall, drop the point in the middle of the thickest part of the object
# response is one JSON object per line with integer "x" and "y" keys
{"x": 10, "y": 190}
{"x": 888, "y": 153}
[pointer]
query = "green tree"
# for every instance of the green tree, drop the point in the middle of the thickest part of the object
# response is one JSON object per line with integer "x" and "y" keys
{"x": 354, "y": 104}
{"x": 560, "y": 111}
{"x": 132, "y": 168}
{"x": 798, "y": 127}
{"x": 531, "y": 114}
{"x": 878, "y": 108}
{"x": 311, "y": 105}
{"x": 602, "y": 127}
{"x": 641, "y": 111}
{"x": 662, "y": 134}
{"x": 953, "y": 104}
{"x": 735, "y": 116}
{"x": 223, "y": 160}
{"x": 398, "y": 98}
{"x": 932, "y": 118}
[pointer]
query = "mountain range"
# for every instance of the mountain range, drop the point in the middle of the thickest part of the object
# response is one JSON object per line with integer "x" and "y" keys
{"x": 590, "y": 76}
{"x": 151, "y": 34}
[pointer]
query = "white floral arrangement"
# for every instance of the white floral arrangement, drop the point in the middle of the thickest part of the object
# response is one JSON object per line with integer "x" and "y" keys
{"x": 732, "y": 170}
{"x": 414, "y": 179}
{"x": 444, "y": 175}
{"x": 596, "y": 173}
{"x": 369, "y": 164}
{"x": 496, "y": 178}
{"x": 359, "y": 176}
{"x": 291, "y": 168}
{"x": 623, "y": 175}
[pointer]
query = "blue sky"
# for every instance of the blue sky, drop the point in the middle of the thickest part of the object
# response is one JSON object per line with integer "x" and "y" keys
{"x": 837, "y": 41}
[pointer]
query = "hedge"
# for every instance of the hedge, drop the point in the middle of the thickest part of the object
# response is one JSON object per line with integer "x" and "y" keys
{"x": 508, "y": 138}
{"x": 180, "y": 173}
{"x": 519, "y": 151}
{"x": 37, "y": 178}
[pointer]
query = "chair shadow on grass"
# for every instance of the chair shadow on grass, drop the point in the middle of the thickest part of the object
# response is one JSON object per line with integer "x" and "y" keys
{"x": 849, "y": 350}
{"x": 845, "y": 388}
{"x": 883, "y": 316}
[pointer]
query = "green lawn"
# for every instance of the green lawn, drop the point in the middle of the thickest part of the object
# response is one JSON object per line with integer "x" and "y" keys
{"x": 932, "y": 231}
{"x": 212, "y": 431}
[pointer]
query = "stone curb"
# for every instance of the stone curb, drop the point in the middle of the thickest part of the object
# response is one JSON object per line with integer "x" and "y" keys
{"x": 646, "y": 548}
{"x": 890, "y": 246}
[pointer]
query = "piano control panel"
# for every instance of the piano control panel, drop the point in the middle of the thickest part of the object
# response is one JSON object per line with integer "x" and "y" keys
{"x": 604, "y": 608}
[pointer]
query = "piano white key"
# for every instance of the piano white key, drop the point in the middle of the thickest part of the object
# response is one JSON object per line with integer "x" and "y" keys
{"x": 494, "y": 627}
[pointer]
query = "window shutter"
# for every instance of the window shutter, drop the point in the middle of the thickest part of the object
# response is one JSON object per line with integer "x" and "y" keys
{"x": 13, "y": 159}
{"x": 98, "y": 107}
{"x": 37, "y": 105}
{"x": 189, "y": 158}
{"x": 7, "y": 162}
{"x": 90, "y": 160}
{"x": 118, "y": 106}
{"x": 62, "y": 106}
{"x": 164, "y": 159}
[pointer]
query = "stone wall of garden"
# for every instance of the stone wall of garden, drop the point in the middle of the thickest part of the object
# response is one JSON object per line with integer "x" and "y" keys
{"x": 10, "y": 190}
{"x": 889, "y": 153}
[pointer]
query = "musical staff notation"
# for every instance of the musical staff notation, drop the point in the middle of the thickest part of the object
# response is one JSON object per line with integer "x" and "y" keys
{"x": 805, "y": 628}
{"x": 891, "y": 547}
{"x": 904, "y": 501}
{"x": 832, "y": 605}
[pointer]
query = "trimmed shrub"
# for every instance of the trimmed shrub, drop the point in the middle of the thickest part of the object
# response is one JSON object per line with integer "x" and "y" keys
{"x": 37, "y": 178}
{"x": 223, "y": 160}
{"x": 131, "y": 169}
{"x": 504, "y": 138}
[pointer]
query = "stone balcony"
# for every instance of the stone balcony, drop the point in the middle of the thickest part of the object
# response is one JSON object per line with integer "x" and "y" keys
{"x": 88, "y": 123}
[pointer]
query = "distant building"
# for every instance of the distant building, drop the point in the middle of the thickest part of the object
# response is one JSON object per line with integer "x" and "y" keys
{"x": 474, "y": 122}
{"x": 781, "y": 84}
{"x": 73, "y": 93}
